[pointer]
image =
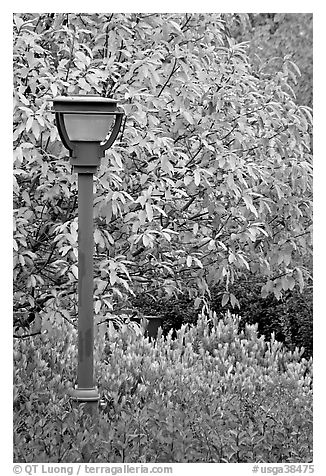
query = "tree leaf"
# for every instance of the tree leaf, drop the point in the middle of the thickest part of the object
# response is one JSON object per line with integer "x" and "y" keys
{"x": 97, "y": 306}
{"x": 74, "y": 270}
{"x": 197, "y": 177}
{"x": 149, "y": 211}
{"x": 225, "y": 299}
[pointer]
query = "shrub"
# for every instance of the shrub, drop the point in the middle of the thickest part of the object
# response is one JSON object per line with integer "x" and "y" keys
{"x": 214, "y": 394}
{"x": 290, "y": 318}
{"x": 174, "y": 311}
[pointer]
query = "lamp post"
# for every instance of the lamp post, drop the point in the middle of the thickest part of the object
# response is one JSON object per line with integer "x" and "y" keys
{"x": 87, "y": 125}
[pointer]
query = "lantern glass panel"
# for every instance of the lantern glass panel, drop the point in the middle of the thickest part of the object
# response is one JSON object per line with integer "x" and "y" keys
{"x": 88, "y": 127}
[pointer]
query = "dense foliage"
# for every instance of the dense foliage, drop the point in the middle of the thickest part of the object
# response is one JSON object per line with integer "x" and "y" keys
{"x": 213, "y": 394}
{"x": 210, "y": 175}
{"x": 289, "y": 318}
{"x": 209, "y": 182}
{"x": 274, "y": 36}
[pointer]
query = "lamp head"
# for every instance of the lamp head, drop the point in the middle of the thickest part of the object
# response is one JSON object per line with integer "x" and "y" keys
{"x": 85, "y": 124}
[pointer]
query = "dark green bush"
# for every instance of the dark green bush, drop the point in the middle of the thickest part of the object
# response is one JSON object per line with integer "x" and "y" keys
{"x": 174, "y": 311}
{"x": 212, "y": 394}
{"x": 290, "y": 318}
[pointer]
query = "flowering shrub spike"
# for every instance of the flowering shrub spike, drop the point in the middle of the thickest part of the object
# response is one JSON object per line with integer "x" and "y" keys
{"x": 212, "y": 394}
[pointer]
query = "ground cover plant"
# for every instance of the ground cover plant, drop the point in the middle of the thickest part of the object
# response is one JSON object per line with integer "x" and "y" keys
{"x": 212, "y": 394}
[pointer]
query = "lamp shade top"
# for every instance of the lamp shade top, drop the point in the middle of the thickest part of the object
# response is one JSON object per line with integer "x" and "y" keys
{"x": 84, "y": 104}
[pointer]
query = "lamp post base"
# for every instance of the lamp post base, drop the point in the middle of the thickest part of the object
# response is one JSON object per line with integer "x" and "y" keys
{"x": 85, "y": 394}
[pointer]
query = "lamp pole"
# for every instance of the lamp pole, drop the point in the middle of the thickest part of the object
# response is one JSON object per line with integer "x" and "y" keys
{"x": 85, "y": 282}
{"x": 84, "y": 123}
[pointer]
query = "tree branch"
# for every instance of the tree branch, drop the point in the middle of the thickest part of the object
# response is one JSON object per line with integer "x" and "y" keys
{"x": 27, "y": 335}
{"x": 174, "y": 69}
{"x": 186, "y": 22}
